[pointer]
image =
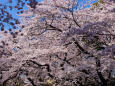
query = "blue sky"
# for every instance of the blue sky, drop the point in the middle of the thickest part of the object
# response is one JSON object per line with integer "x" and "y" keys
{"x": 13, "y": 11}
{"x": 85, "y": 1}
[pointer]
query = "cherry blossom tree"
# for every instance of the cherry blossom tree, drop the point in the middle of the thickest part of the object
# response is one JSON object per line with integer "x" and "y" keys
{"x": 59, "y": 45}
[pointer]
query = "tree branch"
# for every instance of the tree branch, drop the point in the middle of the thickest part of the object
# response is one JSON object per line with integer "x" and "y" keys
{"x": 32, "y": 82}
